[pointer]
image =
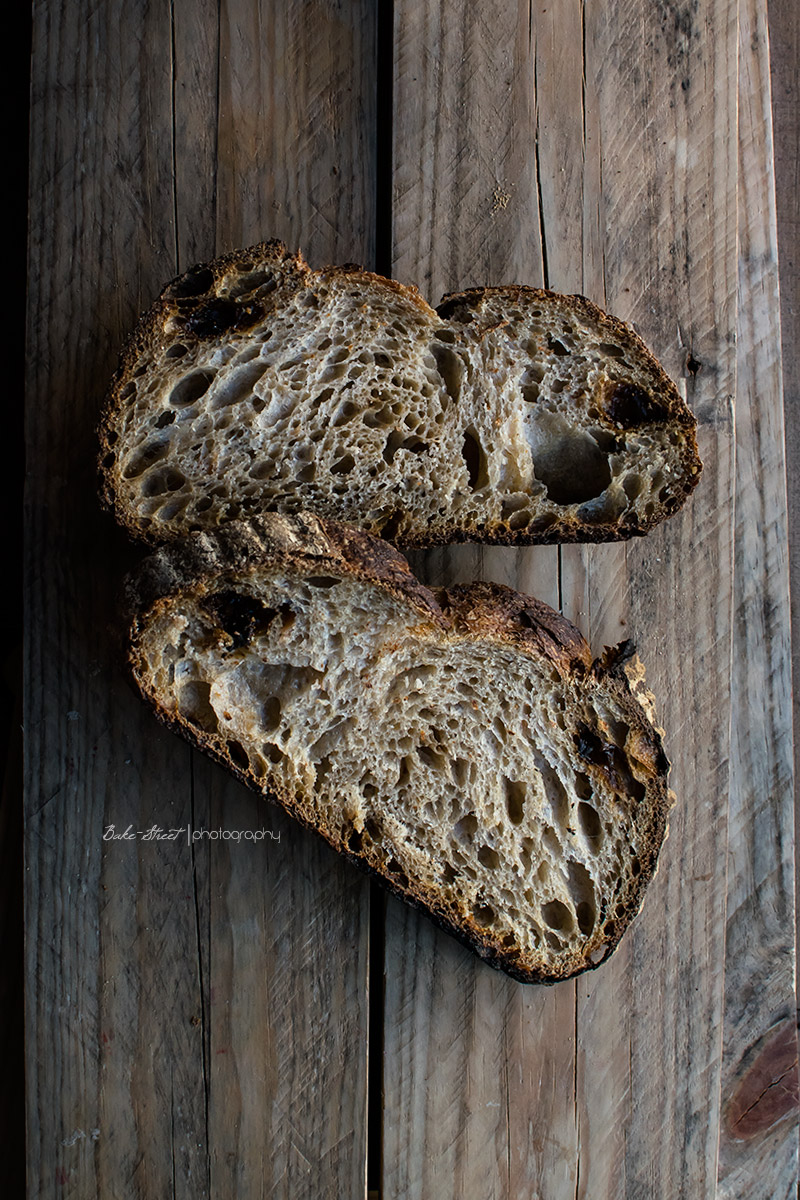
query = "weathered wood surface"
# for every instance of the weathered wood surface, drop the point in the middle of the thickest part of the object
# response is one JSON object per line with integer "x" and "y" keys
{"x": 198, "y": 1018}
{"x": 784, "y": 29}
{"x": 758, "y": 1137}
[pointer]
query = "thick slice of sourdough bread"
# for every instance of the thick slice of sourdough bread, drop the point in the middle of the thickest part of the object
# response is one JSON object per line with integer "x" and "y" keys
{"x": 256, "y": 384}
{"x": 461, "y": 744}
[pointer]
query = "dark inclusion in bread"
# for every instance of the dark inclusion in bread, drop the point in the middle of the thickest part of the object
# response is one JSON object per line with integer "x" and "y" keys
{"x": 509, "y": 414}
{"x": 461, "y": 744}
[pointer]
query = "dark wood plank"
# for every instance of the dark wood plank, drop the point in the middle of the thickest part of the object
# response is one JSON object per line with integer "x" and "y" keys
{"x": 196, "y": 1018}
{"x": 760, "y": 1100}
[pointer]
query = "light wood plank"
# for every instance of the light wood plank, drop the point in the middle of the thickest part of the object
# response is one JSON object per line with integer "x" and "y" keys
{"x": 660, "y": 104}
{"x": 784, "y": 30}
{"x": 758, "y": 1145}
{"x": 613, "y": 217}
{"x": 196, "y": 1020}
{"x": 478, "y": 1071}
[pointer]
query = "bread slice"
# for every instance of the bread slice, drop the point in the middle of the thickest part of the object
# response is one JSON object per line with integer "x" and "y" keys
{"x": 509, "y": 415}
{"x": 461, "y": 744}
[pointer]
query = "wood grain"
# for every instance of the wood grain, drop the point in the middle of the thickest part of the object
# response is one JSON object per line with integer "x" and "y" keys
{"x": 624, "y": 220}
{"x": 784, "y": 31}
{"x": 188, "y": 1010}
{"x": 198, "y": 1016}
{"x": 760, "y": 1100}
{"x": 649, "y": 1022}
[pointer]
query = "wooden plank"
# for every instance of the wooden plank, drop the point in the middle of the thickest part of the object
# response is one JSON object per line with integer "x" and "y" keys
{"x": 667, "y": 262}
{"x": 196, "y": 1019}
{"x": 784, "y": 30}
{"x": 760, "y": 1101}
{"x": 653, "y": 234}
{"x": 477, "y": 1070}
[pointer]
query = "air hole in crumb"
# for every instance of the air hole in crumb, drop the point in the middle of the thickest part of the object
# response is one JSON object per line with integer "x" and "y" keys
{"x": 430, "y": 758}
{"x": 450, "y": 367}
{"x": 195, "y": 706}
{"x": 520, "y": 519}
{"x": 557, "y": 916}
{"x": 583, "y": 786}
{"x": 238, "y": 385}
{"x": 489, "y": 858}
{"x": 585, "y": 915}
{"x": 449, "y": 873}
{"x": 484, "y": 914}
{"x": 355, "y": 841}
{"x": 190, "y": 389}
{"x": 176, "y": 351}
{"x": 570, "y": 464}
{"x": 149, "y": 454}
{"x": 633, "y": 485}
{"x": 460, "y": 768}
{"x": 515, "y": 800}
{"x": 344, "y": 465}
{"x": 590, "y": 821}
{"x": 322, "y": 581}
{"x": 475, "y": 460}
{"x": 271, "y": 714}
{"x": 464, "y": 830}
{"x": 557, "y": 347}
{"x": 238, "y": 754}
{"x": 273, "y": 752}
{"x": 109, "y": 459}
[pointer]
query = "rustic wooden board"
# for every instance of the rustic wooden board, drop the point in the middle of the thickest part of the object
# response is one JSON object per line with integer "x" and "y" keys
{"x": 471, "y": 1061}
{"x": 668, "y": 263}
{"x": 188, "y": 1009}
{"x": 759, "y": 1130}
{"x": 198, "y": 1018}
{"x": 636, "y": 206}
{"x": 784, "y": 28}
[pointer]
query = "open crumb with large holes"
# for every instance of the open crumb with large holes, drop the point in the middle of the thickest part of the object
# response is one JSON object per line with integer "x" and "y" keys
{"x": 256, "y": 384}
{"x": 462, "y": 745}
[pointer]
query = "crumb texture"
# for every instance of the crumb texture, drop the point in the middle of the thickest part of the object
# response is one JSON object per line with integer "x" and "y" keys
{"x": 256, "y": 384}
{"x": 517, "y": 795}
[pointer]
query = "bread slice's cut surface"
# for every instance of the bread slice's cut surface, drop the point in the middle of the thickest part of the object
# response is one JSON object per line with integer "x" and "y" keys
{"x": 256, "y": 384}
{"x": 462, "y": 745}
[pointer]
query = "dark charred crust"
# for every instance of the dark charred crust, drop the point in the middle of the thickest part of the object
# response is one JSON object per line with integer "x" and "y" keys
{"x": 197, "y": 281}
{"x": 629, "y": 406}
{"x": 222, "y": 316}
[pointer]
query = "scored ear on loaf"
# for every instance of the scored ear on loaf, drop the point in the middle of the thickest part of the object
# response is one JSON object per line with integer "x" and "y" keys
{"x": 508, "y": 415}
{"x": 461, "y": 744}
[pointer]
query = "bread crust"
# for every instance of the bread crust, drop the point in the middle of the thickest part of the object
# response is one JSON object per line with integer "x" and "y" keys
{"x": 150, "y": 339}
{"x": 481, "y": 612}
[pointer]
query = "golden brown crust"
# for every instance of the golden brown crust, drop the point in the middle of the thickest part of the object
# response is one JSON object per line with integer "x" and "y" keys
{"x": 481, "y": 613}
